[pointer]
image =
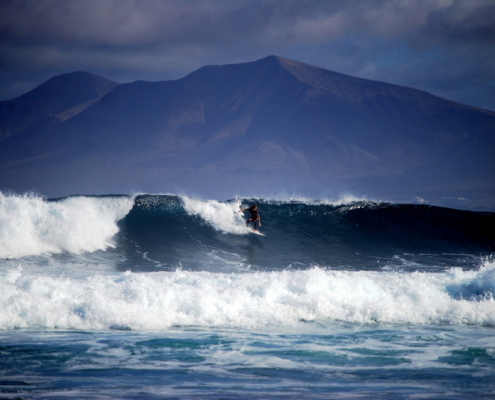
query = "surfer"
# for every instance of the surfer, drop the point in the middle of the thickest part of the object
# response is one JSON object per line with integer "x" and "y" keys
{"x": 255, "y": 217}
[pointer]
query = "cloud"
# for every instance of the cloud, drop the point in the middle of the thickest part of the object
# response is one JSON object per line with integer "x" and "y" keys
{"x": 443, "y": 46}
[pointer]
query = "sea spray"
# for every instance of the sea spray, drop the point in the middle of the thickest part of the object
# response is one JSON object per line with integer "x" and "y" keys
{"x": 223, "y": 216}
{"x": 30, "y": 225}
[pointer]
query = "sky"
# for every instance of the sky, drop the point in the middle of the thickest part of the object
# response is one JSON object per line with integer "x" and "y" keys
{"x": 446, "y": 47}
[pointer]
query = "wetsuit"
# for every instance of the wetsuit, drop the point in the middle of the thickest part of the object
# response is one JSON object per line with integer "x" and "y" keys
{"x": 255, "y": 219}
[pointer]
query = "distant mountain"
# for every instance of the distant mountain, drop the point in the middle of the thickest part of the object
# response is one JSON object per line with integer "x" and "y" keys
{"x": 266, "y": 127}
{"x": 62, "y": 96}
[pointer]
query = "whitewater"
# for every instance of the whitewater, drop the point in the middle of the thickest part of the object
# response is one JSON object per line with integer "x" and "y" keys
{"x": 341, "y": 299}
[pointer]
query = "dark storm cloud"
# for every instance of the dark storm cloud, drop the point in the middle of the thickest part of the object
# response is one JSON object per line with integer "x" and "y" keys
{"x": 445, "y": 47}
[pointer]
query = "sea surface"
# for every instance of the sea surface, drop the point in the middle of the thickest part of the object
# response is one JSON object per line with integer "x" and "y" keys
{"x": 171, "y": 297}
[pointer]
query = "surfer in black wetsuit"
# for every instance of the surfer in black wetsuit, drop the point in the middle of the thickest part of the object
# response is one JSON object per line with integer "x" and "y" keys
{"x": 255, "y": 217}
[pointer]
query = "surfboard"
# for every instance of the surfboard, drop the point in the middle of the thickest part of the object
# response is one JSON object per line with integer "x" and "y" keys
{"x": 258, "y": 233}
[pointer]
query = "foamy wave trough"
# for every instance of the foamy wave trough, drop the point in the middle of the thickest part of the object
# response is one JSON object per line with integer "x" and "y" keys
{"x": 160, "y": 300}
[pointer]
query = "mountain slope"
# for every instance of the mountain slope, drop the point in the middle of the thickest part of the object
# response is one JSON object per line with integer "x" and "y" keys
{"x": 272, "y": 125}
{"x": 65, "y": 95}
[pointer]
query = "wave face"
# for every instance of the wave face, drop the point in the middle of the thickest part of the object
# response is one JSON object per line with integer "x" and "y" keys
{"x": 164, "y": 232}
{"x": 170, "y": 232}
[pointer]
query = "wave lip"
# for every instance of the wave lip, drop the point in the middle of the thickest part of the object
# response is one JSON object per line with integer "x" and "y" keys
{"x": 31, "y": 226}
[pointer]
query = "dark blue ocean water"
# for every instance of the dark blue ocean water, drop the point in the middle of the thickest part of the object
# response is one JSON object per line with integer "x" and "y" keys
{"x": 172, "y": 297}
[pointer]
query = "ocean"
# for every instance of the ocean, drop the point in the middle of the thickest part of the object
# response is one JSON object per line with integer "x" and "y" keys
{"x": 172, "y": 297}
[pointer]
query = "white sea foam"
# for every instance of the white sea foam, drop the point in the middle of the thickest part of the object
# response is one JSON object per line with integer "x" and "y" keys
{"x": 30, "y": 225}
{"x": 222, "y": 216}
{"x": 160, "y": 300}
